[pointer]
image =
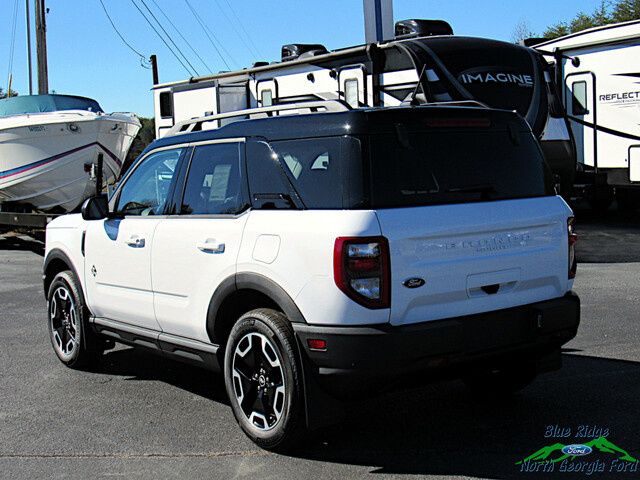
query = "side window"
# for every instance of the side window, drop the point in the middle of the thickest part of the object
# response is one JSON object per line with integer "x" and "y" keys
{"x": 166, "y": 105}
{"x": 325, "y": 172}
{"x": 214, "y": 184}
{"x": 579, "y": 104}
{"x": 270, "y": 189}
{"x": 266, "y": 98}
{"x": 351, "y": 92}
{"x": 146, "y": 190}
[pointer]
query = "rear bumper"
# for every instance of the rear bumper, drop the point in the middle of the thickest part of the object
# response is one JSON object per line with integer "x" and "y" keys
{"x": 374, "y": 354}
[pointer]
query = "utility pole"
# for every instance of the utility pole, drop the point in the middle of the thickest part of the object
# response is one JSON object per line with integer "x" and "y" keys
{"x": 41, "y": 48}
{"x": 378, "y": 20}
{"x": 27, "y": 2}
{"x": 154, "y": 69}
{"x": 378, "y": 26}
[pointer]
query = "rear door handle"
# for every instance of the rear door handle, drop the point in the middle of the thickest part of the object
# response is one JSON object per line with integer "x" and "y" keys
{"x": 135, "y": 241}
{"x": 211, "y": 246}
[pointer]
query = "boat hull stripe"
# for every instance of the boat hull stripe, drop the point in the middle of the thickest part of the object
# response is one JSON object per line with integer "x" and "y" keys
{"x": 39, "y": 163}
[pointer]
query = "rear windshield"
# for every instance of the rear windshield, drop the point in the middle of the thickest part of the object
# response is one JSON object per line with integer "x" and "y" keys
{"x": 455, "y": 166}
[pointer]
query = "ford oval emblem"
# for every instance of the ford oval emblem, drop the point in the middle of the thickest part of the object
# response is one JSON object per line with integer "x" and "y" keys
{"x": 413, "y": 282}
{"x": 577, "y": 450}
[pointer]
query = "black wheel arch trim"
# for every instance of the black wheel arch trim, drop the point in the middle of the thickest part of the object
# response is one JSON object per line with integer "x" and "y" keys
{"x": 58, "y": 254}
{"x": 251, "y": 281}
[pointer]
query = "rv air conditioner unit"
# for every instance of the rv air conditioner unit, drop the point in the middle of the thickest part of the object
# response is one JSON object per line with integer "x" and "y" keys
{"x": 422, "y": 28}
{"x": 295, "y": 50}
{"x": 532, "y": 42}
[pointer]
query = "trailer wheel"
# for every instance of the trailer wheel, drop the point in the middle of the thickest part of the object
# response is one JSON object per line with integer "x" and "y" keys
{"x": 628, "y": 199}
{"x": 600, "y": 198}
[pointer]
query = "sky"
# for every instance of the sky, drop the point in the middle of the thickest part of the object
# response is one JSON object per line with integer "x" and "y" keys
{"x": 87, "y": 58}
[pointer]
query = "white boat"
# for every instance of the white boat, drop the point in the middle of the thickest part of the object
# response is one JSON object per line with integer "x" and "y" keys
{"x": 49, "y": 145}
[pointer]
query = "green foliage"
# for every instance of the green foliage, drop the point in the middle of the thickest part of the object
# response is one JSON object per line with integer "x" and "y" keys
{"x": 625, "y": 10}
{"x": 606, "y": 13}
{"x": 3, "y": 94}
{"x": 145, "y": 136}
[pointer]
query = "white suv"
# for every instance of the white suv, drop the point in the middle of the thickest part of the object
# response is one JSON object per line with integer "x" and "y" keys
{"x": 308, "y": 256}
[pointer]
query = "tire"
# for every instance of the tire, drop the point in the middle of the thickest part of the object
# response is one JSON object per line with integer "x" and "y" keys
{"x": 261, "y": 364}
{"x": 501, "y": 382}
{"x": 600, "y": 199}
{"x": 74, "y": 343}
{"x": 628, "y": 200}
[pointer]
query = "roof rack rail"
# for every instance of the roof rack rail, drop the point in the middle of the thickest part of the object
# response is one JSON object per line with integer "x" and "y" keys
{"x": 314, "y": 106}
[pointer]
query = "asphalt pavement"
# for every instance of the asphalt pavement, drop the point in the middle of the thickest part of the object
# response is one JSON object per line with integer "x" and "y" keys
{"x": 141, "y": 416}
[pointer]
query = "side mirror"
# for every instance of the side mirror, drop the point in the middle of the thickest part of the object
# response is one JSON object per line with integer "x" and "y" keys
{"x": 95, "y": 208}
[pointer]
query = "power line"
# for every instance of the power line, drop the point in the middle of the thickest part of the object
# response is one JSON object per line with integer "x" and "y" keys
{"x": 181, "y": 36}
{"x": 231, "y": 23}
{"x": 161, "y": 38}
{"x": 209, "y": 35}
{"x": 143, "y": 59}
{"x": 12, "y": 46}
{"x": 169, "y": 37}
{"x": 243, "y": 29}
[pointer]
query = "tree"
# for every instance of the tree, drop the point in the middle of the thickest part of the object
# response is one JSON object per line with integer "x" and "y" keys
{"x": 625, "y": 10}
{"x": 13, "y": 93}
{"x": 604, "y": 14}
{"x": 522, "y": 31}
{"x": 145, "y": 136}
{"x": 558, "y": 30}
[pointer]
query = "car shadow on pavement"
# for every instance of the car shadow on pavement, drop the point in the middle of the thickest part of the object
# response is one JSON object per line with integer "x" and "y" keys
{"x": 442, "y": 429}
{"x": 137, "y": 364}
{"x": 23, "y": 243}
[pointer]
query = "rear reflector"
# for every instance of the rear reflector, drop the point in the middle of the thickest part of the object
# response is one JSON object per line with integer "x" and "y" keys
{"x": 317, "y": 344}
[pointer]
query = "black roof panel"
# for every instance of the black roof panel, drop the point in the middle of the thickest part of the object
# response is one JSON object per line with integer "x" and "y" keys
{"x": 359, "y": 121}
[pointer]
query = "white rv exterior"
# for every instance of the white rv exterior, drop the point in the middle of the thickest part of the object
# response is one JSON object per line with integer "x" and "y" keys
{"x": 601, "y": 95}
{"x": 424, "y": 64}
{"x": 497, "y": 74}
{"x": 262, "y": 86}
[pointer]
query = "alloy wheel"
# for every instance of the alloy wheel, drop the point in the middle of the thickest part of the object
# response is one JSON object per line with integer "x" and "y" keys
{"x": 258, "y": 381}
{"x": 64, "y": 323}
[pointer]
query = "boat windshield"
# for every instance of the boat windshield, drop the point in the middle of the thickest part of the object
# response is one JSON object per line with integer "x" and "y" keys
{"x": 23, "y": 104}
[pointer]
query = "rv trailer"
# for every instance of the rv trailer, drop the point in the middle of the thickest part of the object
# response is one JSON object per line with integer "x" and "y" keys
{"x": 601, "y": 95}
{"x": 424, "y": 63}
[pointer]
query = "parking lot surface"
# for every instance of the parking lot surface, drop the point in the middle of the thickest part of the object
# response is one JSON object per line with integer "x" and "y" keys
{"x": 140, "y": 416}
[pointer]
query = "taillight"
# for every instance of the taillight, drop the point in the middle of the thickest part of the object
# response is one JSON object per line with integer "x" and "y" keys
{"x": 361, "y": 270}
{"x": 572, "y": 239}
